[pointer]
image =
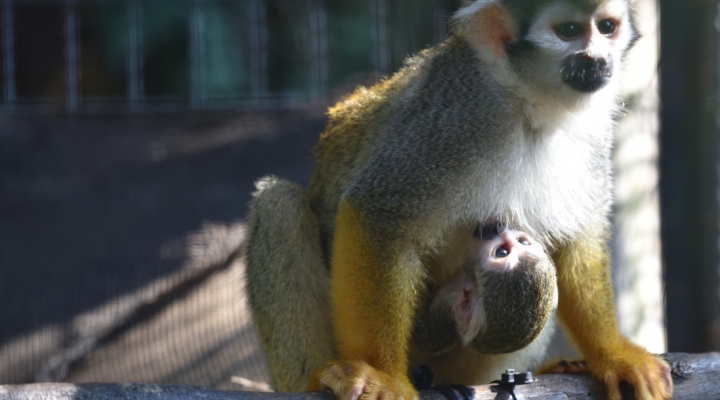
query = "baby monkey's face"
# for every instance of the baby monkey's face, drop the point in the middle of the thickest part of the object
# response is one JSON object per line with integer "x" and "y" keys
{"x": 498, "y": 302}
{"x": 501, "y": 248}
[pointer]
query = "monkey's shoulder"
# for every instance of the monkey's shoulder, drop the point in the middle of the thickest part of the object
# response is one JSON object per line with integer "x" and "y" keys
{"x": 375, "y": 122}
{"x": 430, "y": 81}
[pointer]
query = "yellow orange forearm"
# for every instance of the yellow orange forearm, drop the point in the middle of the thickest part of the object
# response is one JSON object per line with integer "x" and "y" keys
{"x": 373, "y": 302}
{"x": 586, "y": 304}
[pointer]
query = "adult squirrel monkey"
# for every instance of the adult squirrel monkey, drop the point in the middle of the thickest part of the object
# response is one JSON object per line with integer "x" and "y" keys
{"x": 510, "y": 119}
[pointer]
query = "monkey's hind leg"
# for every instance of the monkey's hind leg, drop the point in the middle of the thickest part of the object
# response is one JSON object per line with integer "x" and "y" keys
{"x": 288, "y": 283}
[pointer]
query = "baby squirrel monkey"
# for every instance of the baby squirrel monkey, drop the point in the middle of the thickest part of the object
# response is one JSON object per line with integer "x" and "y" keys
{"x": 510, "y": 119}
{"x": 497, "y": 302}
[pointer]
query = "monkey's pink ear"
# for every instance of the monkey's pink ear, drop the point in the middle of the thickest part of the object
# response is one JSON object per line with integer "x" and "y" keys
{"x": 489, "y": 25}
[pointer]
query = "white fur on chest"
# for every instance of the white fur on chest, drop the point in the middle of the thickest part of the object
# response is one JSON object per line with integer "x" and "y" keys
{"x": 546, "y": 183}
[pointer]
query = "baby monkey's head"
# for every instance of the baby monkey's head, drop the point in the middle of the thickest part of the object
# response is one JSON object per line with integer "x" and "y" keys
{"x": 498, "y": 302}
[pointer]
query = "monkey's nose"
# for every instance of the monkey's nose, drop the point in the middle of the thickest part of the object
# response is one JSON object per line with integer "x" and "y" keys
{"x": 509, "y": 242}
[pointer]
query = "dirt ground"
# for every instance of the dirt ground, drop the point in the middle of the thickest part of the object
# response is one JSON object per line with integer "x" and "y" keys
{"x": 102, "y": 274}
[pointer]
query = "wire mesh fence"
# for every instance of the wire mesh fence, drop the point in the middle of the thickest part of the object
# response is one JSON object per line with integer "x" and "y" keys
{"x": 145, "y": 55}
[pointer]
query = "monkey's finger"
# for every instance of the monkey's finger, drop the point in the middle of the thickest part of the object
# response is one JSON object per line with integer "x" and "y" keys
{"x": 666, "y": 375}
{"x": 566, "y": 367}
{"x": 654, "y": 388}
{"x": 355, "y": 392}
{"x": 334, "y": 378}
{"x": 323, "y": 380}
{"x": 613, "y": 387}
{"x": 659, "y": 380}
{"x": 641, "y": 383}
{"x": 558, "y": 369}
{"x": 576, "y": 367}
{"x": 650, "y": 382}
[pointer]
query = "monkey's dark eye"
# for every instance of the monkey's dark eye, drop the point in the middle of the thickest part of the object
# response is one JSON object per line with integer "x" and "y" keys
{"x": 607, "y": 27}
{"x": 569, "y": 30}
{"x": 501, "y": 252}
{"x": 523, "y": 241}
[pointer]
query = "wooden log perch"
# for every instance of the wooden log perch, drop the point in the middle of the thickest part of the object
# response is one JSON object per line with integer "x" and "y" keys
{"x": 696, "y": 376}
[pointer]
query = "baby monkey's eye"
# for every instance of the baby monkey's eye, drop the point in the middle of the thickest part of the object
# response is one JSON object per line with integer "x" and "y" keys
{"x": 569, "y": 30}
{"x": 523, "y": 241}
{"x": 607, "y": 27}
{"x": 501, "y": 252}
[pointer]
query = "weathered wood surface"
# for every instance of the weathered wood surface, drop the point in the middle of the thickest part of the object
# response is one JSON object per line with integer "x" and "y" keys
{"x": 696, "y": 376}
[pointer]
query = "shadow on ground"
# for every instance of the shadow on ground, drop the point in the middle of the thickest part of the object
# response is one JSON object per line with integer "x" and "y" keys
{"x": 91, "y": 209}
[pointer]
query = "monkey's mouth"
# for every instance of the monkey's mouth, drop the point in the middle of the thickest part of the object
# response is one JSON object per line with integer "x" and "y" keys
{"x": 586, "y": 74}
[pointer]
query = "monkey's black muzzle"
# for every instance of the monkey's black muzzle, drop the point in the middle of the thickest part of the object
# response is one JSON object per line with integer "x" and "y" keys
{"x": 585, "y": 73}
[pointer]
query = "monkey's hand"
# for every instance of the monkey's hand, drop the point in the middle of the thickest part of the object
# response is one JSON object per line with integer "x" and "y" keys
{"x": 648, "y": 374}
{"x": 565, "y": 367}
{"x": 357, "y": 380}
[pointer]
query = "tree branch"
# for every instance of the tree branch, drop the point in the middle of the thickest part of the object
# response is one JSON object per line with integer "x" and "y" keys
{"x": 696, "y": 376}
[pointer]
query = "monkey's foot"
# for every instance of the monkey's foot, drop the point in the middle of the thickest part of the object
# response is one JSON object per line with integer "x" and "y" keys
{"x": 565, "y": 367}
{"x": 357, "y": 380}
{"x": 649, "y": 375}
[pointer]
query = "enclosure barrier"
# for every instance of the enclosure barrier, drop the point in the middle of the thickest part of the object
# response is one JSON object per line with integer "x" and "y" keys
{"x": 696, "y": 376}
{"x": 171, "y": 55}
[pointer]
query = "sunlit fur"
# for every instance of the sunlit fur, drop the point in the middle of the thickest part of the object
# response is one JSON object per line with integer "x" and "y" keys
{"x": 478, "y": 129}
{"x": 288, "y": 245}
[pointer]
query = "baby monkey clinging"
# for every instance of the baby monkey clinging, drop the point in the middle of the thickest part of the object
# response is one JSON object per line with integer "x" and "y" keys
{"x": 497, "y": 302}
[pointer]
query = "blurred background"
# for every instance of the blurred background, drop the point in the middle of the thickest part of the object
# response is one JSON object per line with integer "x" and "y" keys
{"x": 131, "y": 132}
